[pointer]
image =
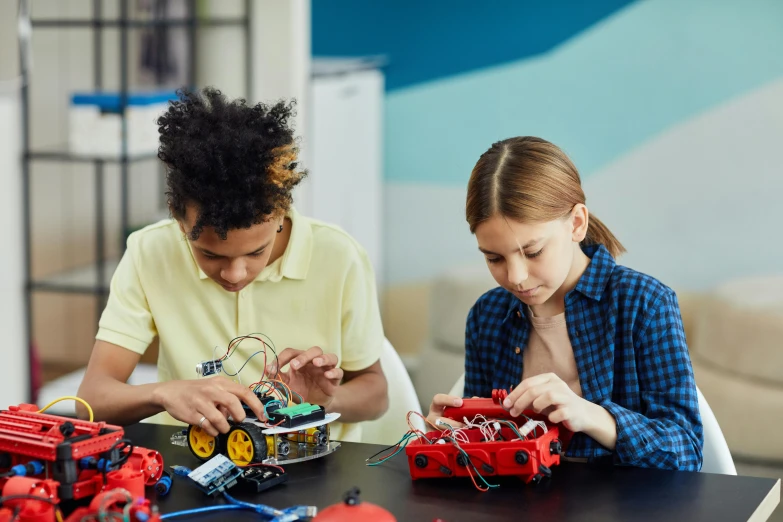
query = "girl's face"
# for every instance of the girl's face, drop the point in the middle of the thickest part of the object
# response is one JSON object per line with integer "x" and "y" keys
{"x": 534, "y": 261}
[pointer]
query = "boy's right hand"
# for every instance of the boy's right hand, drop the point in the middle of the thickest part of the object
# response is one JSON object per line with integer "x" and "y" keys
{"x": 213, "y": 399}
{"x": 440, "y": 402}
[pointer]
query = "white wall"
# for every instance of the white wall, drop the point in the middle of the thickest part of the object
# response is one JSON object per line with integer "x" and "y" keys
{"x": 344, "y": 157}
{"x": 15, "y": 382}
{"x": 698, "y": 205}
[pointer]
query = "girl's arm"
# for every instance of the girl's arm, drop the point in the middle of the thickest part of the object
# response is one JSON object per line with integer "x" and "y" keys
{"x": 667, "y": 432}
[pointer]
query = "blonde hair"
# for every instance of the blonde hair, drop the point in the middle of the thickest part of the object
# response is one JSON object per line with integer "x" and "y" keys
{"x": 283, "y": 174}
{"x": 529, "y": 179}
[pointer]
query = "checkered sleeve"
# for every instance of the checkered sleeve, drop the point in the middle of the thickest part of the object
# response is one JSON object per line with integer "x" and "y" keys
{"x": 667, "y": 433}
{"x": 475, "y": 375}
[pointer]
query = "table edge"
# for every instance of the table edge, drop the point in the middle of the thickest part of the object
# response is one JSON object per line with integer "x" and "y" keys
{"x": 768, "y": 505}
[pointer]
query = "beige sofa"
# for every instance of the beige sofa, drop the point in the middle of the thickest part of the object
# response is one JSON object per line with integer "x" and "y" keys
{"x": 735, "y": 337}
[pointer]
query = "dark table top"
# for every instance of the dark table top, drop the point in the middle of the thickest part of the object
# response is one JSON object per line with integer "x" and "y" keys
{"x": 575, "y": 492}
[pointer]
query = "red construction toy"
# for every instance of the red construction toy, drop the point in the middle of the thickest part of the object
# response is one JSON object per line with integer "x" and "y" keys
{"x": 352, "y": 509}
{"x": 525, "y": 450}
{"x": 61, "y": 459}
{"x": 115, "y": 502}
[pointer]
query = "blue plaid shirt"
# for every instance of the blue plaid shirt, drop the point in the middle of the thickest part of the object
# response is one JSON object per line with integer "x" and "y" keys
{"x": 630, "y": 351}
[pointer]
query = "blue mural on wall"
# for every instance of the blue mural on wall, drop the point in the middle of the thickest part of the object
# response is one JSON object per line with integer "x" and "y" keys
{"x": 598, "y": 95}
{"x": 428, "y": 40}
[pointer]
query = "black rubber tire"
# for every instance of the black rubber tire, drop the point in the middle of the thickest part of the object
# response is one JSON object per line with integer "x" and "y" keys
{"x": 257, "y": 438}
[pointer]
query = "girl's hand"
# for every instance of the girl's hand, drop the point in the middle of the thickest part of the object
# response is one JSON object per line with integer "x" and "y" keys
{"x": 439, "y": 403}
{"x": 549, "y": 395}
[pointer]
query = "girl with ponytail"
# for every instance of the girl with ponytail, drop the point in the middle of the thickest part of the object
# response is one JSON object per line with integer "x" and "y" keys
{"x": 595, "y": 346}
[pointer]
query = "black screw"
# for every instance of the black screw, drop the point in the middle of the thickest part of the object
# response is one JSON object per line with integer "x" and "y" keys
{"x": 351, "y": 497}
{"x": 67, "y": 428}
{"x": 536, "y": 479}
{"x": 420, "y": 461}
{"x": 555, "y": 447}
{"x": 521, "y": 457}
{"x": 461, "y": 461}
{"x": 545, "y": 471}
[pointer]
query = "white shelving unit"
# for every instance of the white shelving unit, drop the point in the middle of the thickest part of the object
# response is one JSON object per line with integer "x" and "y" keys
{"x": 344, "y": 151}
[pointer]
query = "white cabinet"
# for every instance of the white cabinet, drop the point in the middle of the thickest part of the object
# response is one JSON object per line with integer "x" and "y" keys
{"x": 343, "y": 152}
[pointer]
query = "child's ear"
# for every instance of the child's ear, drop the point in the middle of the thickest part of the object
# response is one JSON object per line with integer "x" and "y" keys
{"x": 580, "y": 218}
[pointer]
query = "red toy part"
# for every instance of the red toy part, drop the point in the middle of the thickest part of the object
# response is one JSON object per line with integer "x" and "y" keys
{"x": 113, "y": 503}
{"x": 353, "y": 510}
{"x": 25, "y": 432}
{"x": 74, "y": 453}
{"x": 127, "y": 479}
{"x": 490, "y": 408}
{"x": 530, "y": 458}
{"x": 60, "y": 443}
{"x": 20, "y": 493}
{"x": 493, "y": 409}
{"x": 148, "y": 462}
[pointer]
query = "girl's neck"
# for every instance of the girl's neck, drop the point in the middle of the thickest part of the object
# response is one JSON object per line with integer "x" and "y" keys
{"x": 555, "y": 305}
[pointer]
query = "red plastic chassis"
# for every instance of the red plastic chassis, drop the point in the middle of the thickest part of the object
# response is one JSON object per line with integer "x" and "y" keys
{"x": 530, "y": 459}
{"x": 73, "y": 453}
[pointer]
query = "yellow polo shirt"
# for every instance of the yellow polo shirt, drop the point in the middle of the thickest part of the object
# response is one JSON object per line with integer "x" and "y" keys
{"x": 320, "y": 292}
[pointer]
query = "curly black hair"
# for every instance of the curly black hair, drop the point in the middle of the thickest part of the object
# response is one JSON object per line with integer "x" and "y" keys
{"x": 236, "y": 163}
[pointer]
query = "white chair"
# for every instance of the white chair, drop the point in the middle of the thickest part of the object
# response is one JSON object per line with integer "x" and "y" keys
{"x": 69, "y": 385}
{"x": 717, "y": 457}
{"x": 459, "y": 387}
{"x": 402, "y": 399}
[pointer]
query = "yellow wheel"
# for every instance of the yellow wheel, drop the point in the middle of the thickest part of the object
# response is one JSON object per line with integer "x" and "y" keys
{"x": 246, "y": 444}
{"x": 318, "y": 436}
{"x": 203, "y": 445}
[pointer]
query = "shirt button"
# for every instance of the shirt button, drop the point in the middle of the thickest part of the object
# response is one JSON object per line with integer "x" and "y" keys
{"x": 242, "y": 295}
{"x": 519, "y": 314}
{"x": 517, "y": 350}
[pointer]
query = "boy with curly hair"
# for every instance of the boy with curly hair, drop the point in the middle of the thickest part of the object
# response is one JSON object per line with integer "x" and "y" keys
{"x": 236, "y": 258}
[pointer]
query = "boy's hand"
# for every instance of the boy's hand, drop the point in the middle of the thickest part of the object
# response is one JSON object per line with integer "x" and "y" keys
{"x": 439, "y": 403}
{"x": 312, "y": 374}
{"x": 213, "y": 399}
{"x": 549, "y": 395}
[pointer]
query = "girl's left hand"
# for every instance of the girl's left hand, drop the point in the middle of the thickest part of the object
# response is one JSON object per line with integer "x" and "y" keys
{"x": 549, "y": 395}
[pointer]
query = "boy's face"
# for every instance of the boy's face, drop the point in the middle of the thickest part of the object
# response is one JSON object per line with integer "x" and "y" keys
{"x": 236, "y": 261}
{"x": 540, "y": 269}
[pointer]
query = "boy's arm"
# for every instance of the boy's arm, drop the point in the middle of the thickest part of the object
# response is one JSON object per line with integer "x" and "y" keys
{"x": 106, "y": 390}
{"x": 363, "y": 393}
{"x": 113, "y": 400}
{"x": 362, "y": 396}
